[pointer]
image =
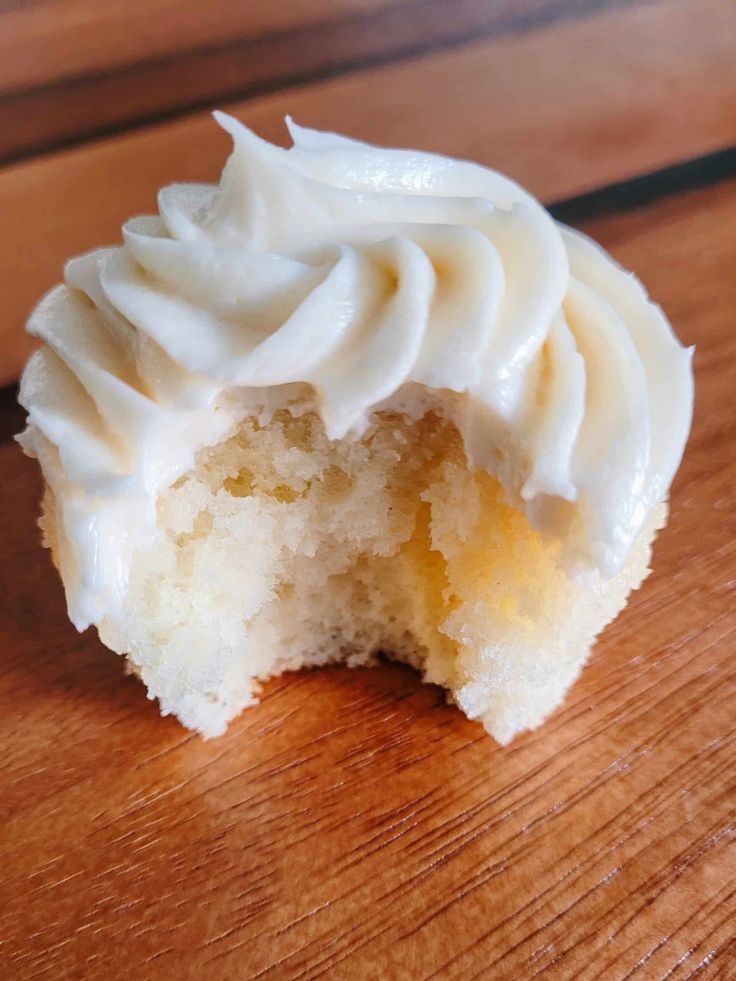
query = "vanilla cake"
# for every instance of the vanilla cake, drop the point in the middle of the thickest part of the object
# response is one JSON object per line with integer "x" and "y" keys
{"x": 352, "y": 400}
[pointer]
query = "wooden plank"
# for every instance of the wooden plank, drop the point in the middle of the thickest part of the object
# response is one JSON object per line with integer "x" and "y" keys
{"x": 103, "y": 88}
{"x": 518, "y": 104}
{"x": 42, "y": 41}
{"x": 353, "y": 825}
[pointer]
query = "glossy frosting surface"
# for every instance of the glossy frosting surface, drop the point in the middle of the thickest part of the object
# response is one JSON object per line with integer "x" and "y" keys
{"x": 355, "y": 279}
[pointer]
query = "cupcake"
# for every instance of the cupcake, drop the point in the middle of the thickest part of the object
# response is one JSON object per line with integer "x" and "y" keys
{"x": 352, "y": 401}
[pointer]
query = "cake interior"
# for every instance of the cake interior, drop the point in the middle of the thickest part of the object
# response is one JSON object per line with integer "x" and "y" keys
{"x": 282, "y": 549}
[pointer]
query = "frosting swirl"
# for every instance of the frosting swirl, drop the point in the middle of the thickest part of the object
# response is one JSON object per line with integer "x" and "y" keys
{"x": 378, "y": 278}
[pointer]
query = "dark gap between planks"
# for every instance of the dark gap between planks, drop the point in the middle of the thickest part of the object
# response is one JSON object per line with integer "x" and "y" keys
{"x": 250, "y": 67}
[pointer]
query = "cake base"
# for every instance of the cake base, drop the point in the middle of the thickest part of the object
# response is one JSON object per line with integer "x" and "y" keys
{"x": 282, "y": 549}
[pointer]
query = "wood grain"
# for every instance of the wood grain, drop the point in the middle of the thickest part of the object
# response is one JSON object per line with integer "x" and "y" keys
{"x": 353, "y": 825}
{"x": 160, "y": 73}
{"x": 518, "y": 104}
{"x": 42, "y": 41}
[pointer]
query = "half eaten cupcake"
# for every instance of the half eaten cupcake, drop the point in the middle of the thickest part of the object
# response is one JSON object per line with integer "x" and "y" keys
{"x": 352, "y": 400}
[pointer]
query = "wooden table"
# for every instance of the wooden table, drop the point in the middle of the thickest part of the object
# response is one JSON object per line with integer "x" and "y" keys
{"x": 354, "y": 826}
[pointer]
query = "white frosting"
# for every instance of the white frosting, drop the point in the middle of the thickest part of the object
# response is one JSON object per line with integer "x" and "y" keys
{"x": 378, "y": 278}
